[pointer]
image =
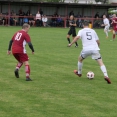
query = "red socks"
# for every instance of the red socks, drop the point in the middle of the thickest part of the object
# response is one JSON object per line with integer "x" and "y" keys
{"x": 19, "y": 65}
{"x": 27, "y": 71}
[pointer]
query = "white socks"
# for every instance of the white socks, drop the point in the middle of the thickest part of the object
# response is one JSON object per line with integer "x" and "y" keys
{"x": 80, "y": 67}
{"x": 103, "y": 68}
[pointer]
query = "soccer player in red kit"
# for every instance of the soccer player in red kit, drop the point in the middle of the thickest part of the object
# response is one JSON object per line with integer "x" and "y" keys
{"x": 114, "y": 24}
{"x": 18, "y": 43}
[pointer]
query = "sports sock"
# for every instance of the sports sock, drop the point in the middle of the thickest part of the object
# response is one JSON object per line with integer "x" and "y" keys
{"x": 80, "y": 67}
{"x": 19, "y": 65}
{"x": 27, "y": 71}
{"x": 106, "y": 33}
{"x": 76, "y": 43}
{"x": 113, "y": 36}
{"x": 103, "y": 68}
{"x": 68, "y": 40}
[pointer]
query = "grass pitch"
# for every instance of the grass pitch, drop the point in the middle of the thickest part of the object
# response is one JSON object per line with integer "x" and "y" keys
{"x": 55, "y": 91}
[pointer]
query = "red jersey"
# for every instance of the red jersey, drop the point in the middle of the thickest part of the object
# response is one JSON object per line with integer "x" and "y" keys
{"x": 19, "y": 42}
{"x": 114, "y": 24}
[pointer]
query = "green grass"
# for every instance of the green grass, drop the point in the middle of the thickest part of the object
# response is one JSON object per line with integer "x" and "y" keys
{"x": 55, "y": 91}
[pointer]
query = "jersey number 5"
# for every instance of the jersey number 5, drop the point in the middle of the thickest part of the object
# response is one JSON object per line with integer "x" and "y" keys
{"x": 18, "y": 36}
{"x": 89, "y": 36}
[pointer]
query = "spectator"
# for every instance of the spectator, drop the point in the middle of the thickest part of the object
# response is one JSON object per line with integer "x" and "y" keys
{"x": 31, "y": 20}
{"x": 38, "y": 19}
{"x": 78, "y": 15}
{"x": 87, "y": 19}
{"x": 25, "y": 20}
{"x": 97, "y": 14}
{"x": 4, "y": 20}
{"x": 54, "y": 20}
{"x": 21, "y": 14}
{"x": 28, "y": 13}
{"x": 59, "y": 21}
{"x": 44, "y": 20}
{"x": 97, "y": 22}
{"x": 79, "y": 20}
{"x": 15, "y": 19}
{"x": 41, "y": 12}
{"x": 12, "y": 12}
{"x": 11, "y": 20}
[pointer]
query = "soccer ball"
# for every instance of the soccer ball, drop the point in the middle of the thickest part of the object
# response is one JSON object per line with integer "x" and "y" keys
{"x": 90, "y": 75}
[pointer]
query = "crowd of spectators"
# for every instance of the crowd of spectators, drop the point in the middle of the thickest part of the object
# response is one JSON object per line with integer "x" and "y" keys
{"x": 40, "y": 19}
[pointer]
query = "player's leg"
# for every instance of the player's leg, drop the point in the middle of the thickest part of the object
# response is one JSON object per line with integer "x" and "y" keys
{"x": 24, "y": 58}
{"x": 73, "y": 36}
{"x": 106, "y": 31}
{"x": 114, "y": 34}
{"x": 27, "y": 70}
{"x": 96, "y": 55}
{"x": 80, "y": 65}
{"x": 103, "y": 69}
{"x": 68, "y": 36}
{"x": 82, "y": 56}
{"x": 75, "y": 42}
{"x": 19, "y": 64}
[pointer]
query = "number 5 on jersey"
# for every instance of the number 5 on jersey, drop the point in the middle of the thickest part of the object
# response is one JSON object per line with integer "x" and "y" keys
{"x": 89, "y": 36}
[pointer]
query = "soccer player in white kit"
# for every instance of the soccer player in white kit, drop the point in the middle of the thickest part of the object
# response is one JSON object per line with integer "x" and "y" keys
{"x": 106, "y": 24}
{"x": 90, "y": 42}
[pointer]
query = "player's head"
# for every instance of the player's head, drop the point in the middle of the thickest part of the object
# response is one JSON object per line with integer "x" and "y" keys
{"x": 26, "y": 27}
{"x": 104, "y": 16}
{"x": 85, "y": 24}
{"x": 71, "y": 17}
{"x": 114, "y": 15}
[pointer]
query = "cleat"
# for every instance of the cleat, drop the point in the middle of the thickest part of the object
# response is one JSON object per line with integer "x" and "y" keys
{"x": 107, "y": 79}
{"x": 76, "y": 72}
{"x": 28, "y": 79}
{"x": 16, "y": 73}
{"x": 76, "y": 46}
{"x": 106, "y": 37}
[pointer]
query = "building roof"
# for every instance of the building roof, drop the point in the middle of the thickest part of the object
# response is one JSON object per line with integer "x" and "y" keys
{"x": 56, "y": 3}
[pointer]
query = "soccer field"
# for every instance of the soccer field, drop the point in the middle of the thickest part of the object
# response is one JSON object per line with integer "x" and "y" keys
{"x": 55, "y": 90}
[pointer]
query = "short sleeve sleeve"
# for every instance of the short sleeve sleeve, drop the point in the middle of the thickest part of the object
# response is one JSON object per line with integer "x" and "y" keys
{"x": 79, "y": 33}
{"x": 96, "y": 36}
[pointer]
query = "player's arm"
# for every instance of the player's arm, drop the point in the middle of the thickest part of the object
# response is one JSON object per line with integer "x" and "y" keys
{"x": 75, "y": 39}
{"x": 31, "y": 46}
{"x": 9, "y": 48}
{"x": 98, "y": 42}
{"x": 96, "y": 38}
{"x": 73, "y": 24}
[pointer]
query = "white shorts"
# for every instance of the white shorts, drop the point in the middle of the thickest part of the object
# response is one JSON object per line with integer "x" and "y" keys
{"x": 93, "y": 53}
{"x": 107, "y": 28}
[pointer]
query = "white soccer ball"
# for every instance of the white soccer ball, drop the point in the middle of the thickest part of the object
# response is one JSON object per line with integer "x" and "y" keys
{"x": 90, "y": 75}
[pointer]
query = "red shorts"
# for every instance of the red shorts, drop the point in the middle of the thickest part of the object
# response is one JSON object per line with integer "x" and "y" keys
{"x": 21, "y": 57}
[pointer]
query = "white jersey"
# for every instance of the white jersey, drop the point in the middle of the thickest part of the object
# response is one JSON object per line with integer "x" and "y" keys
{"x": 106, "y": 22}
{"x": 88, "y": 37}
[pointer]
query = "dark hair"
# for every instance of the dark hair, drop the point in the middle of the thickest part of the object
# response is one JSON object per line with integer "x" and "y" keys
{"x": 85, "y": 23}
